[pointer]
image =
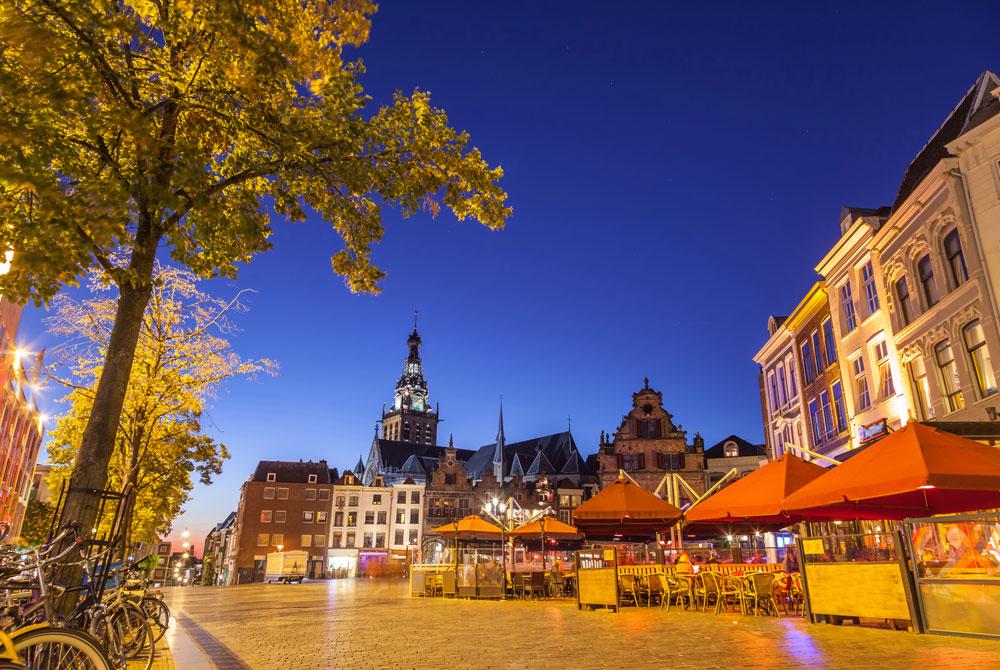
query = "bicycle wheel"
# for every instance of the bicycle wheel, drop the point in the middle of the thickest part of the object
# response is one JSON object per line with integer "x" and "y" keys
{"x": 158, "y": 615}
{"x": 59, "y": 649}
{"x": 136, "y": 635}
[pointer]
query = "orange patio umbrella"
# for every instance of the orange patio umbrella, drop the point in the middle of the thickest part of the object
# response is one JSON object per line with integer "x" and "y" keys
{"x": 915, "y": 471}
{"x": 552, "y": 528}
{"x": 471, "y": 527}
{"x": 758, "y": 498}
{"x": 624, "y": 510}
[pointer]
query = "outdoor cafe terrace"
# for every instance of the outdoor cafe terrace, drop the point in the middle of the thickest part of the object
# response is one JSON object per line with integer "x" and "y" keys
{"x": 879, "y": 539}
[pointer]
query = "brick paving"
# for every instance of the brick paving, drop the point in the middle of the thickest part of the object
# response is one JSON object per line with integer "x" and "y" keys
{"x": 373, "y": 624}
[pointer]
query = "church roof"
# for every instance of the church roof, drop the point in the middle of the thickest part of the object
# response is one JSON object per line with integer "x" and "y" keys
{"x": 541, "y": 465}
{"x": 559, "y": 449}
{"x": 395, "y": 454}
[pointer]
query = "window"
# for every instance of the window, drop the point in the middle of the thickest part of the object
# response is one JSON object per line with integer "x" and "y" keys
{"x": 414, "y": 497}
{"x": 824, "y": 401}
{"x": 926, "y": 273}
{"x": 312, "y": 479}
{"x": 413, "y": 535}
{"x": 949, "y": 375}
{"x": 369, "y": 517}
{"x": 982, "y": 366}
{"x": 868, "y": 282}
{"x": 839, "y": 408}
{"x": 271, "y": 476}
{"x": 921, "y": 389}
{"x": 369, "y": 540}
{"x": 814, "y": 420}
{"x": 903, "y": 298}
{"x": 792, "y": 390}
{"x": 265, "y": 516}
{"x": 382, "y": 517}
{"x": 886, "y": 386}
{"x": 350, "y": 542}
{"x": 268, "y": 493}
{"x": 282, "y": 494}
{"x": 956, "y": 259}
{"x": 817, "y": 347}
{"x": 730, "y": 450}
{"x": 649, "y": 428}
{"x": 414, "y": 516}
{"x": 263, "y": 539}
{"x": 336, "y": 538}
{"x": 671, "y": 461}
{"x": 449, "y": 478}
{"x": 352, "y": 519}
{"x": 400, "y": 516}
{"x": 847, "y": 305}
{"x": 772, "y": 390}
{"x": 338, "y": 518}
{"x": 807, "y": 362}
{"x": 305, "y": 540}
{"x": 278, "y": 538}
{"x": 861, "y": 384}
{"x": 322, "y": 517}
{"x": 308, "y": 516}
{"x": 782, "y": 385}
{"x": 830, "y": 342}
{"x": 353, "y": 501}
{"x": 401, "y": 497}
{"x": 310, "y": 494}
{"x": 340, "y": 501}
{"x": 398, "y": 539}
{"x": 379, "y": 540}
{"x": 377, "y": 499}
{"x": 319, "y": 540}
{"x": 324, "y": 494}
{"x": 279, "y": 516}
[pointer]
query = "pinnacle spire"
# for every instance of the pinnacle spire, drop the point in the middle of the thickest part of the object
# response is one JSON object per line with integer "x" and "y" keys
{"x": 498, "y": 452}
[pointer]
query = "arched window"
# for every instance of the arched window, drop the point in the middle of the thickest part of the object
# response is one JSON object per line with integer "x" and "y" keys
{"x": 406, "y": 431}
{"x": 956, "y": 259}
{"x": 982, "y": 366}
{"x": 926, "y": 272}
{"x": 950, "y": 383}
{"x": 903, "y": 299}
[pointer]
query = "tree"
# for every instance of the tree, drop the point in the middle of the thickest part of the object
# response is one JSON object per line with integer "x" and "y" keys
{"x": 182, "y": 358}
{"x": 208, "y": 571}
{"x": 138, "y": 123}
{"x": 37, "y": 521}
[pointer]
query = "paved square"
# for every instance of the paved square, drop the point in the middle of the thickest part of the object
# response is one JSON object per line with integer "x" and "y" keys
{"x": 374, "y": 624}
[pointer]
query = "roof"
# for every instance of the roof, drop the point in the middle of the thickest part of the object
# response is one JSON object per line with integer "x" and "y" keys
{"x": 746, "y": 448}
{"x": 395, "y": 454}
{"x": 561, "y": 456}
{"x": 292, "y": 472}
{"x": 975, "y": 108}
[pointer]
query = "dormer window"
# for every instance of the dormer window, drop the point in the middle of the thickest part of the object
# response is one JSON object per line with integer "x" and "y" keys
{"x": 271, "y": 476}
{"x": 731, "y": 449}
{"x": 312, "y": 479}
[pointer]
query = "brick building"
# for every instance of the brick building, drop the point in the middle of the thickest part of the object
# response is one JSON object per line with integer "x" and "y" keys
{"x": 20, "y": 424}
{"x": 283, "y": 505}
{"x": 648, "y": 446}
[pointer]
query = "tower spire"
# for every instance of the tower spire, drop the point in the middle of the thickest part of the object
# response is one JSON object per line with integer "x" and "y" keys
{"x": 498, "y": 452}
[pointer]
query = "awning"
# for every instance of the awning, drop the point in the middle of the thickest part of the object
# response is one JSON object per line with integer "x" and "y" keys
{"x": 916, "y": 471}
{"x": 756, "y": 499}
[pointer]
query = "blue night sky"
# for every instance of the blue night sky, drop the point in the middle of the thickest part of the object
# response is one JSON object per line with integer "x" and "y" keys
{"x": 676, "y": 171}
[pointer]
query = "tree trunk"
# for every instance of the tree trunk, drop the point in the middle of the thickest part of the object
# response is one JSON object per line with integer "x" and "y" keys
{"x": 90, "y": 472}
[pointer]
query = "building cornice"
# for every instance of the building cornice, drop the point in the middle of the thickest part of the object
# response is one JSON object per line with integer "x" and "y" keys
{"x": 815, "y": 298}
{"x": 846, "y": 245}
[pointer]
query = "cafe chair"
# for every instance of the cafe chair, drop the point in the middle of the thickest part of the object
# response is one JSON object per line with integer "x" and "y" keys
{"x": 760, "y": 592}
{"x": 657, "y": 586}
{"x": 708, "y": 589}
{"x": 628, "y": 587}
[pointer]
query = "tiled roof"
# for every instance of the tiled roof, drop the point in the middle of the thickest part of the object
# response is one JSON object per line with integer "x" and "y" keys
{"x": 745, "y": 448}
{"x": 292, "y": 472}
{"x": 395, "y": 454}
{"x": 559, "y": 448}
{"x": 975, "y": 107}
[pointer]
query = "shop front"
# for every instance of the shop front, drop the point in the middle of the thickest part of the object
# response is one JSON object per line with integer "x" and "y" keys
{"x": 342, "y": 563}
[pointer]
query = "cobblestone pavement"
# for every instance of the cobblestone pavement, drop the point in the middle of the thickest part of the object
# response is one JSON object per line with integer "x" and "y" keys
{"x": 373, "y": 624}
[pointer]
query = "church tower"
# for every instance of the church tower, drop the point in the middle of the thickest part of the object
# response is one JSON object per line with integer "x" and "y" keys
{"x": 411, "y": 418}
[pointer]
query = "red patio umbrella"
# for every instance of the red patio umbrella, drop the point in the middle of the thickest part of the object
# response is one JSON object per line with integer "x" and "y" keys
{"x": 624, "y": 510}
{"x": 756, "y": 500}
{"x": 916, "y": 471}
